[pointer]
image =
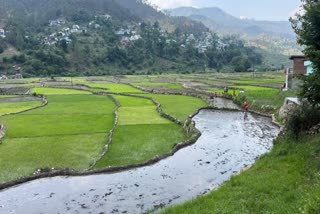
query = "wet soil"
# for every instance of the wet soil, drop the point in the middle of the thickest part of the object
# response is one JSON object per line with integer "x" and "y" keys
{"x": 229, "y": 143}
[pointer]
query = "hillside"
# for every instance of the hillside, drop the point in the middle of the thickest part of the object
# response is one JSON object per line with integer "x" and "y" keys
{"x": 226, "y": 23}
{"x": 97, "y": 37}
{"x": 276, "y": 32}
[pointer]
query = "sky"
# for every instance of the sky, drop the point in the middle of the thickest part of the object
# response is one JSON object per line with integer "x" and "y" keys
{"x": 273, "y": 10}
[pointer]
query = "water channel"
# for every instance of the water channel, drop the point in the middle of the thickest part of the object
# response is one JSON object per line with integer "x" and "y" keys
{"x": 229, "y": 143}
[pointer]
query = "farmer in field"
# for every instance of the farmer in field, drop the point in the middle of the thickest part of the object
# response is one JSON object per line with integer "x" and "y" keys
{"x": 246, "y": 106}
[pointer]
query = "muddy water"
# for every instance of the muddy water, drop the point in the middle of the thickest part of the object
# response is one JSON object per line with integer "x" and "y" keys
{"x": 228, "y": 144}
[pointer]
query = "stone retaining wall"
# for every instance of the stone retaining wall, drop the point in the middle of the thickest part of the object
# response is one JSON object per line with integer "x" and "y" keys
{"x": 314, "y": 130}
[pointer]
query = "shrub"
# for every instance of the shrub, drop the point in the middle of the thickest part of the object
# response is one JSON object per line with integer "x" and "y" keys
{"x": 302, "y": 119}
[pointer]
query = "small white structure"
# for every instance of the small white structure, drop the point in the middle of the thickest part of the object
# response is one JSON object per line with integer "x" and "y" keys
{"x": 106, "y": 16}
{"x": 57, "y": 22}
{"x": 2, "y": 33}
{"x": 66, "y": 30}
{"x": 75, "y": 29}
{"x": 3, "y": 77}
{"x": 135, "y": 38}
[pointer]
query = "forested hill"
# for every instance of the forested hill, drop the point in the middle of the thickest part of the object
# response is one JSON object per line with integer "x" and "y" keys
{"x": 94, "y": 37}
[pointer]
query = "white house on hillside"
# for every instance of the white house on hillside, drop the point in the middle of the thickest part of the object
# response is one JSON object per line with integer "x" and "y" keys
{"x": 2, "y": 33}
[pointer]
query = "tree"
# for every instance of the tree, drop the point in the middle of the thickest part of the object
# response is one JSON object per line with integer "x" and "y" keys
{"x": 307, "y": 28}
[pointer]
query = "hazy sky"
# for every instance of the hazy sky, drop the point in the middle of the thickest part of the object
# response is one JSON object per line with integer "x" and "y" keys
{"x": 257, "y": 9}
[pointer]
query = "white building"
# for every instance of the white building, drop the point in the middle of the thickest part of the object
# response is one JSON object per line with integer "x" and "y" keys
{"x": 135, "y": 38}
{"x": 2, "y": 33}
{"x": 3, "y": 77}
{"x": 75, "y": 29}
{"x": 107, "y": 16}
{"x": 57, "y": 22}
{"x": 66, "y": 30}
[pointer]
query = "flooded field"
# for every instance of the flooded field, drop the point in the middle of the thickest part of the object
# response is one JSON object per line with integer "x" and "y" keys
{"x": 229, "y": 143}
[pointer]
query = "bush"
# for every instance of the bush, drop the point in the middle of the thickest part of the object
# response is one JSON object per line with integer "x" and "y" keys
{"x": 302, "y": 119}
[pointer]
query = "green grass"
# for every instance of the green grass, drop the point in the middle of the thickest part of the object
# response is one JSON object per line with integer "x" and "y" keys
{"x": 140, "y": 115}
{"x": 141, "y": 134}
{"x": 70, "y": 131}
{"x": 15, "y": 107}
{"x": 138, "y": 143}
{"x": 22, "y": 156}
{"x": 285, "y": 181}
{"x": 160, "y": 85}
{"x": 114, "y": 87}
{"x": 53, "y": 91}
{"x": 178, "y": 106}
{"x": 259, "y": 99}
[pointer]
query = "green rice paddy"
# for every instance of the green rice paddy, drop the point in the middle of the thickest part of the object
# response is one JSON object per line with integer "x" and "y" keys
{"x": 15, "y": 107}
{"x": 114, "y": 87}
{"x": 141, "y": 133}
{"x": 59, "y": 91}
{"x": 177, "y": 105}
{"x": 70, "y": 132}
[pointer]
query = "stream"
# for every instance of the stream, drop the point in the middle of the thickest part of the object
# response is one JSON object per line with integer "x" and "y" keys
{"x": 229, "y": 143}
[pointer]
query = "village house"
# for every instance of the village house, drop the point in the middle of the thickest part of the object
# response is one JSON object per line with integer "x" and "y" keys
{"x": 2, "y": 33}
{"x": 57, "y": 22}
{"x": 3, "y": 77}
{"x": 66, "y": 30}
{"x": 301, "y": 66}
{"x": 15, "y": 76}
{"x": 106, "y": 16}
{"x": 75, "y": 29}
{"x": 298, "y": 65}
{"x": 122, "y": 32}
{"x": 135, "y": 38}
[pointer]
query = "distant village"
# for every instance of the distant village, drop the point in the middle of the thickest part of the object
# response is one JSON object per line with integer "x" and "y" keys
{"x": 127, "y": 35}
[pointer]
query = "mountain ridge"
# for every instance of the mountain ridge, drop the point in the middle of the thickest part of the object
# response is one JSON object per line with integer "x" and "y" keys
{"x": 227, "y": 23}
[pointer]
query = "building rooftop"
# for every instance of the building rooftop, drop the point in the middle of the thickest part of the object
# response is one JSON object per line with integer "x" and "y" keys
{"x": 297, "y": 56}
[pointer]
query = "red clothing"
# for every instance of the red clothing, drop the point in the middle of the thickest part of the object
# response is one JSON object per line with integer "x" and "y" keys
{"x": 246, "y": 106}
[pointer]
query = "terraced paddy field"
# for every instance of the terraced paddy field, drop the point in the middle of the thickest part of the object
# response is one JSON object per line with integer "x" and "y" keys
{"x": 70, "y": 132}
{"x": 59, "y": 91}
{"x": 113, "y": 87}
{"x": 141, "y": 133}
{"x": 178, "y": 106}
{"x": 159, "y": 84}
{"x": 75, "y": 124}
{"x": 15, "y": 107}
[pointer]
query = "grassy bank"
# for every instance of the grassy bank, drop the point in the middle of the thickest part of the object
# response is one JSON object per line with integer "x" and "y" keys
{"x": 287, "y": 180}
